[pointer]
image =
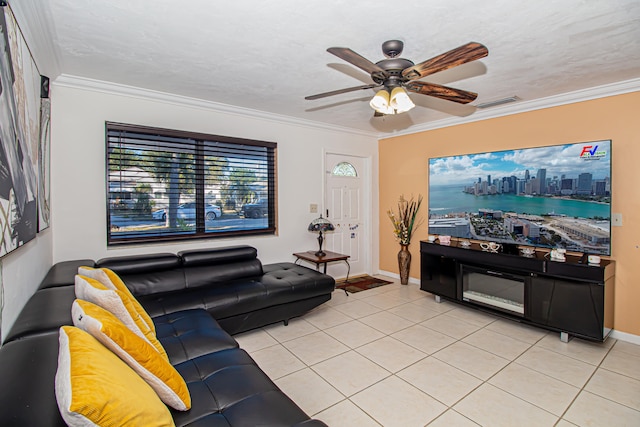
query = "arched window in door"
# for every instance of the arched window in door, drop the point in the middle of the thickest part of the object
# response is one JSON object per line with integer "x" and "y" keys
{"x": 344, "y": 169}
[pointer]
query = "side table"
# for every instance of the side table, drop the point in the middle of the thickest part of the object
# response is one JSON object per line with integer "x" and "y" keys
{"x": 328, "y": 257}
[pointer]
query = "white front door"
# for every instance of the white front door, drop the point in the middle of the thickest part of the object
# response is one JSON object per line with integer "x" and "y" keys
{"x": 345, "y": 198}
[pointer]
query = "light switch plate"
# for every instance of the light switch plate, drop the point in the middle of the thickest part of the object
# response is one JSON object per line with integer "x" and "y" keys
{"x": 616, "y": 219}
{"x": 313, "y": 208}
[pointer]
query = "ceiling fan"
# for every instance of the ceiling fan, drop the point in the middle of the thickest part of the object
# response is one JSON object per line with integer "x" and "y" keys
{"x": 396, "y": 74}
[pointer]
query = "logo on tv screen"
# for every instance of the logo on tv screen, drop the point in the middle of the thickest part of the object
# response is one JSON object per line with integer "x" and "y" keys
{"x": 591, "y": 152}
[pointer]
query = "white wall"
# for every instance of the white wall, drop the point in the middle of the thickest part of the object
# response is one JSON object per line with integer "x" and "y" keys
{"x": 78, "y": 167}
{"x": 22, "y": 272}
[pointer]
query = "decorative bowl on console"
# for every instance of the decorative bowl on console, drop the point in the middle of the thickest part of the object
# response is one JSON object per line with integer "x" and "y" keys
{"x": 490, "y": 246}
{"x": 527, "y": 252}
{"x": 465, "y": 244}
{"x": 444, "y": 240}
{"x": 593, "y": 260}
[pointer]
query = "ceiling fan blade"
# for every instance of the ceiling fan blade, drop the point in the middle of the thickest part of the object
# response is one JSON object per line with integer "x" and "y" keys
{"x": 443, "y": 92}
{"x": 458, "y": 56}
{"x": 339, "y": 91}
{"x": 357, "y": 60}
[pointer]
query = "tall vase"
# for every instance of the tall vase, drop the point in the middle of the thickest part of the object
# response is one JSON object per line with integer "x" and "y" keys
{"x": 404, "y": 263}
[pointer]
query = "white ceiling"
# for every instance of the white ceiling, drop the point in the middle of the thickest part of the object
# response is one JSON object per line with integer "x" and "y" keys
{"x": 268, "y": 55}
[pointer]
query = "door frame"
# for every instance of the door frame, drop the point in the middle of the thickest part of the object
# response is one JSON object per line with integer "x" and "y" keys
{"x": 367, "y": 202}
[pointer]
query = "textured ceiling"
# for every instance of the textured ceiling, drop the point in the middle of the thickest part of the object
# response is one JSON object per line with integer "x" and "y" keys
{"x": 268, "y": 56}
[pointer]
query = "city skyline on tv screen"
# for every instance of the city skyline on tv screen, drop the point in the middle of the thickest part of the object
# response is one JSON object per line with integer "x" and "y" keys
{"x": 557, "y": 196}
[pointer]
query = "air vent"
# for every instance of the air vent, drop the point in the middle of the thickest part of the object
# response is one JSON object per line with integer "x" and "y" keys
{"x": 497, "y": 102}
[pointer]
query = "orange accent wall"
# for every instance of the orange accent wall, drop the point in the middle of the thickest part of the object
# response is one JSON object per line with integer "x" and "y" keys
{"x": 404, "y": 170}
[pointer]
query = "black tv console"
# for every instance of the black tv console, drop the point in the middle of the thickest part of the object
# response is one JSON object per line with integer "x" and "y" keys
{"x": 570, "y": 297}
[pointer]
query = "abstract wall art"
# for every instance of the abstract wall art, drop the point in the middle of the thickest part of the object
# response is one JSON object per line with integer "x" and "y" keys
{"x": 19, "y": 137}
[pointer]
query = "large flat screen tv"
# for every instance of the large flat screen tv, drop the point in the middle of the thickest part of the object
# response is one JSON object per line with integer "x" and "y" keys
{"x": 554, "y": 197}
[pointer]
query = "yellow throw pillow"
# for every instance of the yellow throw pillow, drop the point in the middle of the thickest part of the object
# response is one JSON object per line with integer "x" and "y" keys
{"x": 95, "y": 388}
{"x": 119, "y": 305}
{"x": 135, "y": 351}
{"x": 112, "y": 281}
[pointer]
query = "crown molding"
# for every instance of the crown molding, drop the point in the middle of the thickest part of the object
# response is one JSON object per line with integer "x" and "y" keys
{"x": 613, "y": 89}
{"x": 77, "y": 82}
{"x": 597, "y": 92}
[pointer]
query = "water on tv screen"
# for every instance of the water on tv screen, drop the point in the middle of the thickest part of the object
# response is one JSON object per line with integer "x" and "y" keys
{"x": 555, "y": 197}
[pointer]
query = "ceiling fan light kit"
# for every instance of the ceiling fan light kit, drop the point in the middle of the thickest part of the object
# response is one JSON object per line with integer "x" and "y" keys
{"x": 380, "y": 102}
{"x": 397, "y": 75}
{"x": 395, "y": 103}
{"x": 400, "y": 101}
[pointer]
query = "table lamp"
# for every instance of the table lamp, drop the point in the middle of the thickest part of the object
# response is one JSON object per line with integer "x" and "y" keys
{"x": 320, "y": 225}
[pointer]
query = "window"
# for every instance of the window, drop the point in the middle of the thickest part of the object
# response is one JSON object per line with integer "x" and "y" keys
{"x": 344, "y": 169}
{"x": 169, "y": 185}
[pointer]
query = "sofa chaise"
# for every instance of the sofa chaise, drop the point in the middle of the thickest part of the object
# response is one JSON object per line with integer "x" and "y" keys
{"x": 197, "y": 300}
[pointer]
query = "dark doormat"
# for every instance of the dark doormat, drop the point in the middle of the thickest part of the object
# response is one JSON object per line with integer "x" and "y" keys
{"x": 360, "y": 283}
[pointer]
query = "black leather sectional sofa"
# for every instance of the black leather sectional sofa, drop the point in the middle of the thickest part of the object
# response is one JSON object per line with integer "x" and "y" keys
{"x": 197, "y": 299}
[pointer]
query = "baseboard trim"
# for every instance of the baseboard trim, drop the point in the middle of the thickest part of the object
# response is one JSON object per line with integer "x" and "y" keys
{"x": 625, "y": 336}
{"x": 397, "y": 276}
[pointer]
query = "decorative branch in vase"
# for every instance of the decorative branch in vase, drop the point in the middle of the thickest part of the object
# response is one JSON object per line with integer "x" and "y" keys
{"x": 404, "y": 224}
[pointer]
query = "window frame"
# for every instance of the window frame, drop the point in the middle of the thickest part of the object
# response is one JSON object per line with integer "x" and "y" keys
{"x": 200, "y": 139}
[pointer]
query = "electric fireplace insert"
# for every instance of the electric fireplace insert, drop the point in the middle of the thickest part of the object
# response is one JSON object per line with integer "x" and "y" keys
{"x": 496, "y": 289}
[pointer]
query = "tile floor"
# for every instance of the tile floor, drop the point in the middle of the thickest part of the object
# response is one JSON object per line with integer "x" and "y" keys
{"x": 392, "y": 356}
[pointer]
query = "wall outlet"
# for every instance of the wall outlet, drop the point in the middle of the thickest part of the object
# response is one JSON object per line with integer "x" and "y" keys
{"x": 616, "y": 219}
{"x": 313, "y": 208}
